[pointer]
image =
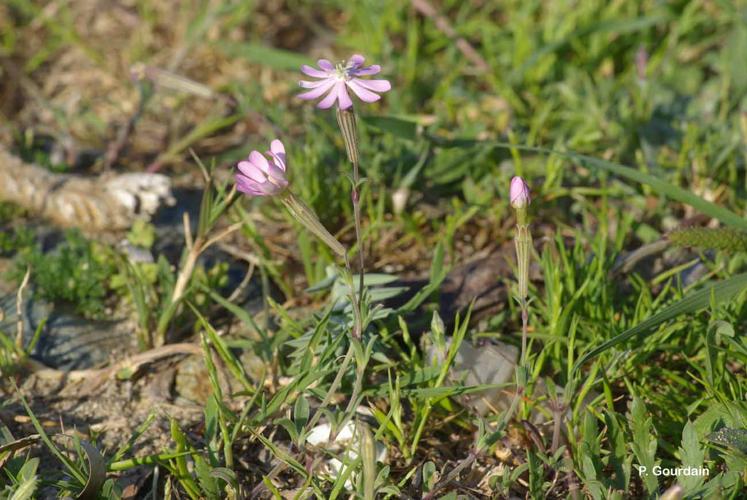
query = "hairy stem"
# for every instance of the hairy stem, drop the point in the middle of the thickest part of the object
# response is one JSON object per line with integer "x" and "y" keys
{"x": 524, "y": 331}
{"x": 355, "y": 195}
{"x": 349, "y": 131}
{"x": 357, "y": 316}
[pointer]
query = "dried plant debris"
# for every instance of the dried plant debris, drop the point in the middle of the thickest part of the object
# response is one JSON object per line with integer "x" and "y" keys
{"x": 95, "y": 204}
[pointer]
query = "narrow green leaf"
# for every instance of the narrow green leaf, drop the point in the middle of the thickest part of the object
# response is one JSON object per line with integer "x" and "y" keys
{"x": 96, "y": 472}
{"x": 722, "y": 291}
{"x": 208, "y": 483}
{"x": 264, "y": 55}
{"x": 706, "y": 207}
{"x": 28, "y": 481}
{"x": 301, "y": 411}
{"x": 26, "y": 490}
{"x": 237, "y": 311}
{"x": 180, "y": 461}
{"x": 616, "y": 440}
{"x": 233, "y": 364}
{"x": 72, "y": 469}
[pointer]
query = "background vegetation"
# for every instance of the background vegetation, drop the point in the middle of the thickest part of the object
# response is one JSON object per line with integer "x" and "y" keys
{"x": 566, "y": 94}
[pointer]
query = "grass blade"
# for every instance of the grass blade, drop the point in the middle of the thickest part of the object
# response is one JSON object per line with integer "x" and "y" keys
{"x": 265, "y": 55}
{"x": 722, "y": 291}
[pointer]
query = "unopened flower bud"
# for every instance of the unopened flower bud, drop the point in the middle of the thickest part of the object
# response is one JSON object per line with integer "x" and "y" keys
{"x": 519, "y": 193}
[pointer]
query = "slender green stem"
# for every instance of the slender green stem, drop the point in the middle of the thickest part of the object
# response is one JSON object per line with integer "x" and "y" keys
{"x": 357, "y": 315}
{"x": 524, "y": 330}
{"x": 355, "y": 195}
{"x": 557, "y": 413}
{"x": 332, "y": 388}
{"x": 349, "y": 131}
{"x": 360, "y": 371}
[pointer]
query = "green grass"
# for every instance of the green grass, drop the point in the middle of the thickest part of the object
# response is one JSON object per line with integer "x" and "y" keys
{"x": 639, "y": 368}
{"x": 76, "y": 273}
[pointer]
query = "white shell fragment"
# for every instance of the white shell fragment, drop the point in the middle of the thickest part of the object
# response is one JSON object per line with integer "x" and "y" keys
{"x": 348, "y": 442}
{"x": 142, "y": 193}
{"x": 319, "y": 435}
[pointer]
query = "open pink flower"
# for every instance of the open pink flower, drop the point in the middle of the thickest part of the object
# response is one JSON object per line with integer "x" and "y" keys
{"x": 259, "y": 177}
{"x": 334, "y": 80}
{"x": 519, "y": 193}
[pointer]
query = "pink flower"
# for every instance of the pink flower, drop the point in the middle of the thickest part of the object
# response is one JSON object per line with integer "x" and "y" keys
{"x": 333, "y": 80}
{"x": 519, "y": 193}
{"x": 259, "y": 177}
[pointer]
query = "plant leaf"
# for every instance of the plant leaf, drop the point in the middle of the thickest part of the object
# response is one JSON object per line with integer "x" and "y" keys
{"x": 722, "y": 291}
{"x": 96, "y": 472}
{"x": 693, "y": 456}
{"x": 644, "y": 442}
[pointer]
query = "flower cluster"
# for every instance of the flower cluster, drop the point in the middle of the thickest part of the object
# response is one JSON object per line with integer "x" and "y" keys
{"x": 259, "y": 176}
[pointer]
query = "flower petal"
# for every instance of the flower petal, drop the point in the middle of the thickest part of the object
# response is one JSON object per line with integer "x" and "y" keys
{"x": 343, "y": 96}
{"x": 277, "y": 174}
{"x": 277, "y": 150}
{"x": 375, "y": 85}
{"x": 318, "y": 91}
{"x": 357, "y": 60}
{"x": 277, "y": 147}
{"x": 326, "y": 65}
{"x": 328, "y": 101}
{"x": 268, "y": 188}
{"x": 316, "y": 73}
{"x": 259, "y": 161}
{"x": 316, "y": 83}
{"x": 247, "y": 186}
{"x": 368, "y": 70}
{"x": 363, "y": 93}
{"x": 251, "y": 171}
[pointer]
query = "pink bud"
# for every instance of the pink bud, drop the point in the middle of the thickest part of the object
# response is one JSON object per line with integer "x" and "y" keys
{"x": 519, "y": 193}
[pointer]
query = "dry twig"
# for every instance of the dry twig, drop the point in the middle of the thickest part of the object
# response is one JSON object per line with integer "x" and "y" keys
{"x": 443, "y": 24}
